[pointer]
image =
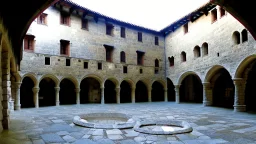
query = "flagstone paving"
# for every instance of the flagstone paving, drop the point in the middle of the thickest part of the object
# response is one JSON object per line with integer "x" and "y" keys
{"x": 211, "y": 125}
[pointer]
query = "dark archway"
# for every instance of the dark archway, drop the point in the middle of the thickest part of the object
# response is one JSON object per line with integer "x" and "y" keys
{"x": 47, "y": 92}
{"x": 141, "y": 92}
{"x": 26, "y": 93}
{"x": 250, "y": 92}
{"x": 67, "y": 92}
{"x": 171, "y": 91}
{"x": 90, "y": 91}
{"x": 109, "y": 92}
{"x": 157, "y": 92}
{"x": 223, "y": 89}
{"x": 125, "y": 92}
{"x": 191, "y": 89}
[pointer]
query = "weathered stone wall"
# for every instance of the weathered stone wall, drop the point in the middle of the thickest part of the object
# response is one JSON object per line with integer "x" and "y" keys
{"x": 218, "y": 35}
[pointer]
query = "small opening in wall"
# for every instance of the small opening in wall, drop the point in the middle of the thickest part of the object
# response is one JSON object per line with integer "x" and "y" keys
{"x": 99, "y": 66}
{"x": 125, "y": 69}
{"x": 79, "y": 60}
{"x": 141, "y": 71}
{"x": 47, "y": 61}
{"x": 67, "y": 62}
{"x": 85, "y": 65}
{"x": 218, "y": 54}
{"x": 58, "y": 59}
{"x": 156, "y": 70}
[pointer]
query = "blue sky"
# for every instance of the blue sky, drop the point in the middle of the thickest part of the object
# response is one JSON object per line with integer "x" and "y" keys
{"x": 153, "y": 14}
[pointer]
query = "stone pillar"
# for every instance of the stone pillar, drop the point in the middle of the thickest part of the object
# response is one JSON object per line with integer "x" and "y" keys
{"x": 207, "y": 94}
{"x": 239, "y": 103}
{"x": 57, "y": 95}
{"x": 1, "y": 92}
{"x": 102, "y": 95}
{"x": 177, "y": 93}
{"x": 118, "y": 95}
{"x": 149, "y": 94}
{"x": 17, "y": 96}
{"x": 133, "y": 94}
{"x": 36, "y": 99}
{"x": 77, "y": 90}
{"x": 165, "y": 94}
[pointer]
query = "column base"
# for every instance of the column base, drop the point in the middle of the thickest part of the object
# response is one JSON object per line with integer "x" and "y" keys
{"x": 239, "y": 108}
{"x": 6, "y": 123}
{"x": 17, "y": 107}
{"x": 177, "y": 102}
{"x": 11, "y": 105}
{"x": 58, "y": 103}
{"x": 1, "y": 127}
{"x": 78, "y": 103}
{"x": 207, "y": 103}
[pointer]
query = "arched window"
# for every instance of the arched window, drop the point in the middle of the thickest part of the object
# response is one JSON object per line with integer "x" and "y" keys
{"x": 122, "y": 57}
{"x": 171, "y": 61}
{"x": 244, "y": 35}
{"x": 236, "y": 37}
{"x": 205, "y": 49}
{"x": 197, "y": 52}
{"x": 183, "y": 56}
{"x": 156, "y": 63}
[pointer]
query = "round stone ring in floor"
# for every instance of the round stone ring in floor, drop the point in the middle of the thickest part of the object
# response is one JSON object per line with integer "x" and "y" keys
{"x": 104, "y": 120}
{"x": 163, "y": 127}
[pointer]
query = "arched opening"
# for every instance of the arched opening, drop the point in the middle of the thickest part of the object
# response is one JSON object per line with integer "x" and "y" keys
{"x": 171, "y": 61}
{"x": 47, "y": 92}
{"x": 244, "y": 35}
{"x": 90, "y": 91}
{"x": 156, "y": 63}
{"x": 171, "y": 91}
{"x": 26, "y": 93}
{"x": 110, "y": 92}
{"x": 125, "y": 92}
{"x": 205, "y": 49}
{"x": 157, "y": 92}
{"x": 67, "y": 92}
{"x": 183, "y": 56}
{"x": 122, "y": 57}
{"x": 191, "y": 89}
{"x": 223, "y": 89}
{"x": 141, "y": 92}
{"x": 236, "y": 37}
{"x": 197, "y": 52}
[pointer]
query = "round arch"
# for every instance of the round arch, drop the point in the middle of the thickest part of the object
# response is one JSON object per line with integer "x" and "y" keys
{"x": 32, "y": 76}
{"x": 130, "y": 81}
{"x": 212, "y": 71}
{"x": 98, "y": 78}
{"x": 185, "y": 74}
{"x": 161, "y": 81}
{"x": 145, "y": 81}
{"x": 71, "y": 78}
{"x": 51, "y": 76}
{"x": 114, "y": 80}
{"x": 243, "y": 65}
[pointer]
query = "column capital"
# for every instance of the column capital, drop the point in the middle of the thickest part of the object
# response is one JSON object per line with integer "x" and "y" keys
{"x": 165, "y": 89}
{"x": 117, "y": 88}
{"x": 102, "y": 87}
{"x": 35, "y": 89}
{"x": 133, "y": 87}
{"x": 57, "y": 88}
{"x": 77, "y": 90}
{"x": 17, "y": 84}
{"x": 206, "y": 84}
{"x": 177, "y": 86}
{"x": 238, "y": 81}
{"x": 149, "y": 88}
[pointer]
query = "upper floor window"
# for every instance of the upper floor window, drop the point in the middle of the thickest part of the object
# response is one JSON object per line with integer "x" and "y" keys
{"x": 65, "y": 18}
{"x": 222, "y": 12}
{"x": 244, "y": 35}
{"x": 185, "y": 28}
{"x": 156, "y": 63}
{"x": 123, "y": 32}
{"x": 156, "y": 41}
{"x": 214, "y": 15}
{"x": 29, "y": 43}
{"x": 236, "y": 37}
{"x": 183, "y": 56}
{"x": 109, "y": 29}
{"x": 47, "y": 61}
{"x": 205, "y": 49}
{"x": 84, "y": 24}
{"x": 122, "y": 57}
{"x": 171, "y": 61}
{"x": 42, "y": 19}
{"x": 64, "y": 47}
{"x": 109, "y": 53}
{"x": 139, "y": 36}
{"x": 197, "y": 52}
{"x": 140, "y": 57}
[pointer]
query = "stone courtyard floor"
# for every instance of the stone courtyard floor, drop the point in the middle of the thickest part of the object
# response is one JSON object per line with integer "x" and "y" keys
{"x": 211, "y": 125}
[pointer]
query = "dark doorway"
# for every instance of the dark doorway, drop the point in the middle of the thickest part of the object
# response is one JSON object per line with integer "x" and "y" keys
{"x": 250, "y": 92}
{"x": 191, "y": 90}
{"x": 171, "y": 91}
{"x": 47, "y": 92}
{"x": 223, "y": 90}
{"x": 90, "y": 91}
{"x": 141, "y": 92}
{"x": 67, "y": 92}
{"x": 157, "y": 92}
{"x": 110, "y": 92}
{"x": 26, "y": 93}
{"x": 125, "y": 92}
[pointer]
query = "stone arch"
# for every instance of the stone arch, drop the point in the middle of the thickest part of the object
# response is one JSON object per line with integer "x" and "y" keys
{"x": 197, "y": 52}
{"x": 98, "y": 78}
{"x": 243, "y": 65}
{"x": 162, "y": 82}
{"x": 158, "y": 88}
{"x": 32, "y": 76}
{"x": 145, "y": 81}
{"x": 110, "y": 85}
{"x": 211, "y": 72}
{"x": 51, "y": 76}
{"x": 141, "y": 92}
{"x": 67, "y": 94}
{"x": 185, "y": 74}
{"x": 114, "y": 80}
{"x": 71, "y": 78}
{"x": 130, "y": 81}
{"x": 126, "y": 87}
{"x": 236, "y": 37}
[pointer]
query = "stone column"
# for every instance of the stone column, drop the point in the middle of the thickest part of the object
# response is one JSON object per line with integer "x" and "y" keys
{"x": 149, "y": 94}
{"x": 207, "y": 94}
{"x": 177, "y": 93}
{"x": 102, "y": 95}
{"x": 17, "y": 96}
{"x": 165, "y": 94}
{"x": 133, "y": 94}
{"x": 239, "y": 103}
{"x": 57, "y": 95}
{"x": 118, "y": 95}
{"x": 36, "y": 99}
{"x": 77, "y": 90}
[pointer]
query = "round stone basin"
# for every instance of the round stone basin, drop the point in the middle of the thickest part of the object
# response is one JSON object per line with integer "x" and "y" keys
{"x": 104, "y": 120}
{"x": 163, "y": 127}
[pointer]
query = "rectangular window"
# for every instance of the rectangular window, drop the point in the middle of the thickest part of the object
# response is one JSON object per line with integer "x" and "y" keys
{"x": 141, "y": 71}
{"x": 84, "y": 24}
{"x": 122, "y": 32}
{"x": 109, "y": 53}
{"x": 99, "y": 66}
{"x": 124, "y": 69}
{"x": 67, "y": 62}
{"x": 214, "y": 15}
{"x": 140, "y": 58}
{"x": 64, "y": 47}
{"x": 65, "y": 18}
{"x": 185, "y": 27}
{"x": 109, "y": 29}
{"x": 222, "y": 12}
{"x": 156, "y": 41}
{"x": 139, "y": 36}
{"x": 85, "y": 65}
{"x": 29, "y": 43}
{"x": 47, "y": 61}
{"x": 42, "y": 19}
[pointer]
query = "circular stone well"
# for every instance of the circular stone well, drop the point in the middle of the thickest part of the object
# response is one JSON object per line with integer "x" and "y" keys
{"x": 104, "y": 120}
{"x": 163, "y": 127}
